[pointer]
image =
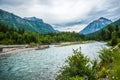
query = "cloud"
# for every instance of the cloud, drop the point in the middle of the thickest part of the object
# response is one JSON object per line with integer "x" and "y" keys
{"x": 11, "y": 2}
{"x": 64, "y": 11}
{"x": 76, "y": 28}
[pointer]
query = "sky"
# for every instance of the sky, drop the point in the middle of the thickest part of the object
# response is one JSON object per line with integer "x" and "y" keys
{"x": 64, "y": 11}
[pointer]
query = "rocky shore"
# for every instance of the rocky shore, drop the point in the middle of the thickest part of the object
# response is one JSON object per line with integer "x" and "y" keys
{"x": 7, "y": 49}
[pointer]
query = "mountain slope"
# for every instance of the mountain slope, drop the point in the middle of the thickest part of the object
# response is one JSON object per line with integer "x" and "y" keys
{"x": 29, "y": 24}
{"x": 116, "y": 22}
{"x": 40, "y": 25}
{"x": 95, "y": 25}
{"x": 106, "y": 30}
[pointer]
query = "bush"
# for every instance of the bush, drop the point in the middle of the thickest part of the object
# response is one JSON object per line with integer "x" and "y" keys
{"x": 114, "y": 41}
{"x": 119, "y": 45}
{"x": 77, "y": 78}
{"x": 106, "y": 56}
{"x": 32, "y": 44}
{"x": 78, "y": 65}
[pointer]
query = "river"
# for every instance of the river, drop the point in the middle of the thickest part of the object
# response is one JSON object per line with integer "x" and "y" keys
{"x": 42, "y": 64}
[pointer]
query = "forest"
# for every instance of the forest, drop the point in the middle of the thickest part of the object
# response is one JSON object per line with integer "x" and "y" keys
{"x": 10, "y": 36}
{"x": 111, "y": 34}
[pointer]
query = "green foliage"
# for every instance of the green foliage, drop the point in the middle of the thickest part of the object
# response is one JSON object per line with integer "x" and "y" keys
{"x": 114, "y": 41}
{"x": 76, "y": 78}
{"x": 77, "y": 66}
{"x": 110, "y": 59}
{"x": 111, "y": 28}
{"x": 111, "y": 33}
{"x": 106, "y": 56}
{"x": 32, "y": 44}
{"x": 20, "y": 36}
{"x": 119, "y": 45}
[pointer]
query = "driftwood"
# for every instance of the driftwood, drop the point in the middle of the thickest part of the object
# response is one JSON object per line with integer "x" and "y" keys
{"x": 42, "y": 47}
{"x": 1, "y": 50}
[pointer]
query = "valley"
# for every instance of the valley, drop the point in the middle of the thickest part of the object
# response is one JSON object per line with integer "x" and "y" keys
{"x": 44, "y": 53}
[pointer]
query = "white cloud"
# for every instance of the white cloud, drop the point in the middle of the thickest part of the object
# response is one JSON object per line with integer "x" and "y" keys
{"x": 76, "y": 28}
{"x": 57, "y": 11}
{"x": 64, "y": 11}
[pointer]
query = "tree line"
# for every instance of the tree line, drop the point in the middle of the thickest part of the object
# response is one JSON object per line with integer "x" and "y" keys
{"x": 11, "y": 35}
{"x": 111, "y": 34}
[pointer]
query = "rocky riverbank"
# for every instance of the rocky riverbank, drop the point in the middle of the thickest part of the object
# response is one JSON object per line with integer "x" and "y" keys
{"x": 7, "y": 49}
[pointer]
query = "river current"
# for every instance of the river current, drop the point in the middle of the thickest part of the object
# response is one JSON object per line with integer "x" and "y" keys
{"x": 42, "y": 64}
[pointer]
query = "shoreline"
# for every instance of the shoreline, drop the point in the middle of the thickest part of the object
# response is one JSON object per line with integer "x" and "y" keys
{"x": 9, "y": 49}
{"x": 21, "y": 48}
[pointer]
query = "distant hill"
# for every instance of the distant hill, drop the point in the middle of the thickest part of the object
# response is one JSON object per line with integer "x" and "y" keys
{"x": 30, "y": 24}
{"x": 96, "y": 25}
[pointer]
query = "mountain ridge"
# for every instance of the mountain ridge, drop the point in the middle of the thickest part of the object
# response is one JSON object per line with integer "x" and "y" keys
{"x": 30, "y": 24}
{"x": 113, "y": 24}
{"x": 96, "y": 25}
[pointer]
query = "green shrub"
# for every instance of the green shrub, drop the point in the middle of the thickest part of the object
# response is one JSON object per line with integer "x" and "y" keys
{"x": 113, "y": 42}
{"x": 77, "y": 78}
{"x": 78, "y": 65}
{"x": 106, "y": 56}
{"x": 32, "y": 44}
{"x": 119, "y": 45}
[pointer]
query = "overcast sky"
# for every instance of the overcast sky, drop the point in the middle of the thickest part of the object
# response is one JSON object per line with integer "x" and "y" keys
{"x": 64, "y": 11}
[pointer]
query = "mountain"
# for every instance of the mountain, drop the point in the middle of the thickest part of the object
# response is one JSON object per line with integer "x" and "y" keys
{"x": 33, "y": 19}
{"x": 40, "y": 25}
{"x": 96, "y": 25}
{"x": 30, "y": 24}
{"x": 105, "y": 30}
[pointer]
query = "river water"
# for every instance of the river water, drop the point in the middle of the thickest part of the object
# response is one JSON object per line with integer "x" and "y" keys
{"x": 42, "y": 64}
